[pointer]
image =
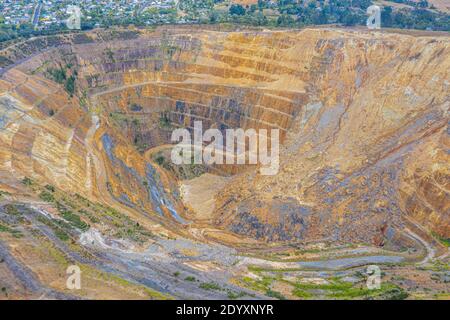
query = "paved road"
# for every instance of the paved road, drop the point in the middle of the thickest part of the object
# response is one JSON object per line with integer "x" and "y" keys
{"x": 431, "y": 252}
{"x": 37, "y": 14}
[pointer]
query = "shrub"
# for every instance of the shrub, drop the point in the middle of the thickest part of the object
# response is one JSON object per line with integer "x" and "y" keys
{"x": 73, "y": 219}
{"x": 47, "y": 196}
{"x": 27, "y": 181}
{"x": 275, "y": 294}
{"x": 233, "y": 296}
{"x": 164, "y": 121}
{"x": 70, "y": 85}
{"x": 159, "y": 160}
{"x": 237, "y": 9}
{"x": 58, "y": 75}
{"x": 50, "y": 188}
{"x": 61, "y": 235}
{"x": 12, "y": 210}
{"x": 210, "y": 286}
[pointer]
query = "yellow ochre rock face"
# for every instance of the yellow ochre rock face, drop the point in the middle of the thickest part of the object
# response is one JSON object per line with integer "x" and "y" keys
{"x": 363, "y": 118}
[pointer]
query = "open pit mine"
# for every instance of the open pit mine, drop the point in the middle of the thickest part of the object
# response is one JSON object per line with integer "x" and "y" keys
{"x": 92, "y": 207}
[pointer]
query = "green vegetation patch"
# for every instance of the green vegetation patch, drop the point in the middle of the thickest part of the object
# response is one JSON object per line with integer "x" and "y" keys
{"x": 334, "y": 288}
{"x": 12, "y": 210}
{"x": 300, "y": 293}
{"x": 47, "y": 196}
{"x": 235, "y": 295}
{"x": 338, "y": 289}
{"x": 27, "y": 181}
{"x": 4, "y": 193}
{"x": 57, "y": 74}
{"x": 50, "y": 188}
{"x": 61, "y": 76}
{"x": 210, "y": 286}
{"x": 190, "y": 278}
{"x": 7, "y": 229}
{"x": 76, "y": 210}
{"x": 59, "y": 228}
{"x": 275, "y": 294}
{"x": 72, "y": 218}
{"x": 262, "y": 284}
{"x": 164, "y": 121}
{"x": 123, "y": 225}
{"x": 444, "y": 241}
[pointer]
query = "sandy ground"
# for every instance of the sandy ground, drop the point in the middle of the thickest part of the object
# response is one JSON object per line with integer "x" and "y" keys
{"x": 199, "y": 194}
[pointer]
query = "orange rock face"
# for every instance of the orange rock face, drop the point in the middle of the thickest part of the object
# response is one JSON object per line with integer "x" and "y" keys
{"x": 363, "y": 119}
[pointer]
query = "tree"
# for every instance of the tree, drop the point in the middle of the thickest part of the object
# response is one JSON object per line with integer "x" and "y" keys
{"x": 237, "y": 9}
{"x": 350, "y": 19}
{"x": 285, "y": 20}
{"x": 386, "y": 16}
{"x": 262, "y": 5}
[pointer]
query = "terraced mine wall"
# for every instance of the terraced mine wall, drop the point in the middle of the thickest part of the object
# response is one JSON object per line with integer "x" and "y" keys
{"x": 158, "y": 83}
{"x": 355, "y": 110}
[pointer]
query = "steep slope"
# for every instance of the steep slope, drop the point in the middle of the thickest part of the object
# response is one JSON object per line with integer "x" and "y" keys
{"x": 378, "y": 107}
{"x": 363, "y": 117}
